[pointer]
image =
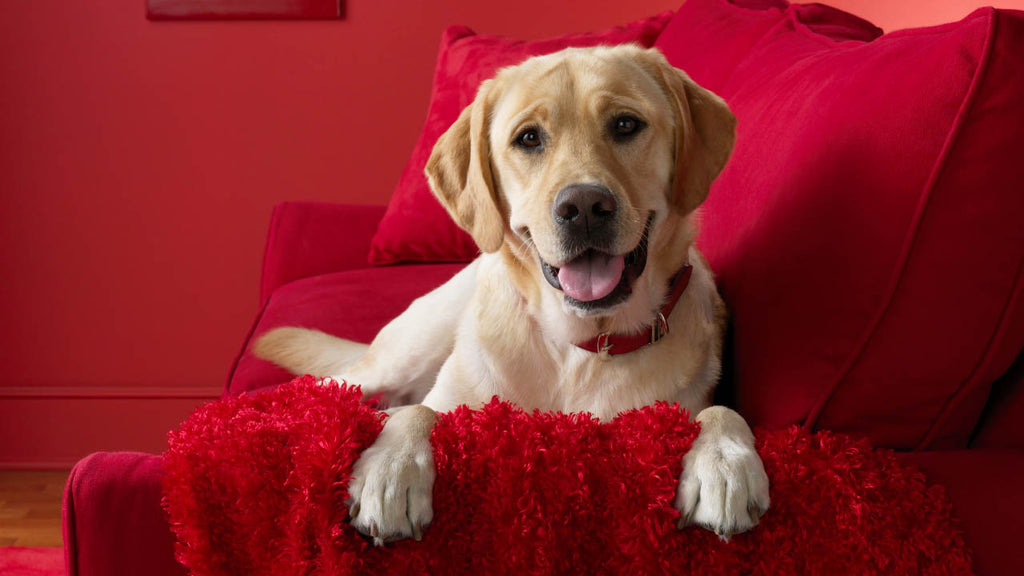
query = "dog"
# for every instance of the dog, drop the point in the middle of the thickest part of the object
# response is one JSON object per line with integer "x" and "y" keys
{"x": 577, "y": 174}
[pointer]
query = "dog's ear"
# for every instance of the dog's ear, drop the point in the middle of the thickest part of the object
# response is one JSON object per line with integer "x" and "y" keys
{"x": 459, "y": 173}
{"x": 705, "y": 133}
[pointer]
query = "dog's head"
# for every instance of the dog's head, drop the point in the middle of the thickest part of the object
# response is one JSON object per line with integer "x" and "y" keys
{"x": 583, "y": 167}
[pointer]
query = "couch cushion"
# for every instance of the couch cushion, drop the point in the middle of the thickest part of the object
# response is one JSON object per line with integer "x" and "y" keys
{"x": 354, "y": 304}
{"x": 415, "y": 226}
{"x": 866, "y": 232}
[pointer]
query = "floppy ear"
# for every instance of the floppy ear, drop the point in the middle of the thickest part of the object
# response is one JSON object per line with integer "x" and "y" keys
{"x": 705, "y": 133}
{"x": 459, "y": 173}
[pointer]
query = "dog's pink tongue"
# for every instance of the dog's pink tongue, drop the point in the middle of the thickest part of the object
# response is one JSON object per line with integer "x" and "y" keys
{"x": 591, "y": 276}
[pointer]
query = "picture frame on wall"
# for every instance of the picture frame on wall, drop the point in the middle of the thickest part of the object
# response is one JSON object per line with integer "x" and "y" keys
{"x": 244, "y": 9}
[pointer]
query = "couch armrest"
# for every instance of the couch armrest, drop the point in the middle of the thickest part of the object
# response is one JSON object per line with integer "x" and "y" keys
{"x": 312, "y": 238}
{"x": 114, "y": 523}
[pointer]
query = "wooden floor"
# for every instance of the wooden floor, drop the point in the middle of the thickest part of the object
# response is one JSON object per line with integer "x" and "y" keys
{"x": 30, "y": 508}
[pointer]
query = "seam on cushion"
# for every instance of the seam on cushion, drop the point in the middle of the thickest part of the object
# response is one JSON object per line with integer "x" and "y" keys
{"x": 914, "y": 229}
{"x": 965, "y": 387}
{"x": 727, "y": 85}
{"x": 804, "y": 30}
{"x": 997, "y": 336}
{"x": 275, "y": 219}
{"x": 736, "y": 6}
{"x": 935, "y": 30}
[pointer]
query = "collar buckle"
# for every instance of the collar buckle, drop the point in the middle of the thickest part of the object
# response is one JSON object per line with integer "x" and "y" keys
{"x": 604, "y": 345}
{"x": 659, "y": 329}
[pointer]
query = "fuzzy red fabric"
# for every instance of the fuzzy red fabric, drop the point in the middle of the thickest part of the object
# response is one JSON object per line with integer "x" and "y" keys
{"x": 256, "y": 485}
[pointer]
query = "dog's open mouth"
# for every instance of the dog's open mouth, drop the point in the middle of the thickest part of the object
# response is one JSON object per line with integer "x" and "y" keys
{"x": 597, "y": 280}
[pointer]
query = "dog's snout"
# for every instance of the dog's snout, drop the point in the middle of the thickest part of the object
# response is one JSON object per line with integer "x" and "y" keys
{"x": 583, "y": 210}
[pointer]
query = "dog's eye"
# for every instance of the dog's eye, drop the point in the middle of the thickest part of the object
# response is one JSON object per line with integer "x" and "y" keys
{"x": 625, "y": 127}
{"x": 528, "y": 139}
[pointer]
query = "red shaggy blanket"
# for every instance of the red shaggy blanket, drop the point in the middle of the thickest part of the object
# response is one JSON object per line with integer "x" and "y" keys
{"x": 256, "y": 485}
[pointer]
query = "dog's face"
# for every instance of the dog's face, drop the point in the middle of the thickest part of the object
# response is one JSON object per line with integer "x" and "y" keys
{"x": 583, "y": 166}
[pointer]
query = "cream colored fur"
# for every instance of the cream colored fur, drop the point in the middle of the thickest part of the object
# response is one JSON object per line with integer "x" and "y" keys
{"x": 497, "y": 328}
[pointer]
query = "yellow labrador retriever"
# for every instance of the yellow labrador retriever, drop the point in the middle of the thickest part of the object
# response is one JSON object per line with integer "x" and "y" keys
{"x": 577, "y": 174}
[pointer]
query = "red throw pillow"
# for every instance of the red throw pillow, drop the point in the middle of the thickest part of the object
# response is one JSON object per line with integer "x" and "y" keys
{"x": 415, "y": 226}
{"x": 867, "y": 231}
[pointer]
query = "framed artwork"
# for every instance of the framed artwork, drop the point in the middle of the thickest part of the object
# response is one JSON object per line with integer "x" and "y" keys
{"x": 247, "y": 9}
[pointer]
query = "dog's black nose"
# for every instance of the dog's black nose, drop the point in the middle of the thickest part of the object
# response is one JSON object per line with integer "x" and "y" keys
{"x": 584, "y": 210}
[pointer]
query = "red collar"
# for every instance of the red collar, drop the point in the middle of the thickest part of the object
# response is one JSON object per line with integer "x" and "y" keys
{"x": 615, "y": 344}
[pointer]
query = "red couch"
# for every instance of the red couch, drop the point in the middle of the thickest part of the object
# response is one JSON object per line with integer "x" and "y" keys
{"x": 866, "y": 236}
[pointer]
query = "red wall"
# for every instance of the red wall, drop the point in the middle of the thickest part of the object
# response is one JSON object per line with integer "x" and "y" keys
{"x": 138, "y": 165}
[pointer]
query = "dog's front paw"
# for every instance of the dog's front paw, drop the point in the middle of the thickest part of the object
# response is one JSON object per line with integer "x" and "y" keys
{"x": 723, "y": 487}
{"x": 392, "y": 488}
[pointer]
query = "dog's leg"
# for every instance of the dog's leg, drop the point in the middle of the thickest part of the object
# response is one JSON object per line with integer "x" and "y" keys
{"x": 723, "y": 486}
{"x": 393, "y": 480}
{"x": 391, "y": 492}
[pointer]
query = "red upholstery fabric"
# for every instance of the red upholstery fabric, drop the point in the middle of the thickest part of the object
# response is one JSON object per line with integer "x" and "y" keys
{"x": 984, "y": 487}
{"x": 416, "y": 227}
{"x": 355, "y": 304}
{"x": 114, "y": 524}
{"x": 709, "y": 38}
{"x": 868, "y": 239}
{"x": 312, "y": 238}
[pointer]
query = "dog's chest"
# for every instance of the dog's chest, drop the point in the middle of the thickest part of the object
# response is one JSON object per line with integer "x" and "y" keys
{"x": 580, "y": 381}
{"x": 605, "y": 386}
